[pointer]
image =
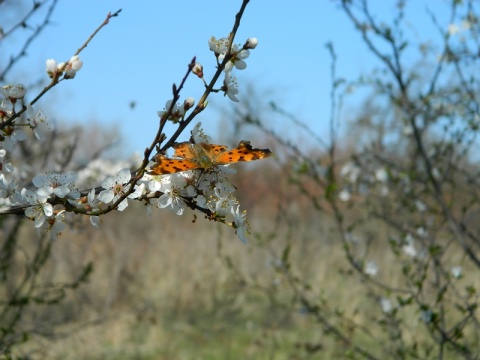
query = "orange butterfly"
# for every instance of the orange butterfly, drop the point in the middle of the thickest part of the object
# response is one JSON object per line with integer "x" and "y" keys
{"x": 205, "y": 156}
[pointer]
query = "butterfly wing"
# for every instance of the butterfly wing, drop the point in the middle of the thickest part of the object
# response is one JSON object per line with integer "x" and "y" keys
{"x": 185, "y": 150}
{"x": 164, "y": 165}
{"x": 243, "y": 152}
{"x": 186, "y": 160}
{"x": 212, "y": 150}
{"x": 205, "y": 156}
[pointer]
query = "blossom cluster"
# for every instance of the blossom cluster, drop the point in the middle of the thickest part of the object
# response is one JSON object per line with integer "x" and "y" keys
{"x": 16, "y": 115}
{"x": 366, "y": 178}
{"x": 233, "y": 57}
{"x": 205, "y": 189}
{"x": 51, "y": 196}
{"x": 230, "y": 58}
{"x": 55, "y": 193}
{"x": 69, "y": 69}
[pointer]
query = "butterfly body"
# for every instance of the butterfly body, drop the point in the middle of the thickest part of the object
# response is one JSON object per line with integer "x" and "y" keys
{"x": 188, "y": 156}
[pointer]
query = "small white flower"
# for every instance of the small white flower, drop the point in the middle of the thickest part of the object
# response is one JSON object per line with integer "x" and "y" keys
{"x": 351, "y": 172}
{"x": 8, "y": 188}
{"x": 38, "y": 122}
{"x": 386, "y": 305}
{"x": 381, "y": 175}
{"x": 115, "y": 186}
{"x": 57, "y": 225}
{"x": 219, "y": 46}
{"x": 420, "y": 205}
{"x": 344, "y": 195}
{"x": 230, "y": 87}
{"x": 13, "y": 91}
{"x": 238, "y": 55}
{"x": 177, "y": 114}
{"x": 456, "y": 271}
{"x": 371, "y": 268}
{"x": 453, "y": 29}
{"x": 224, "y": 202}
{"x": 154, "y": 185}
{"x": 174, "y": 189}
{"x": 56, "y": 183}
{"x": 19, "y": 197}
{"x": 138, "y": 191}
{"x": 12, "y": 136}
{"x": 201, "y": 201}
{"x": 5, "y": 166}
{"x": 93, "y": 204}
{"x": 240, "y": 223}
{"x": 199, "y": 136}
{"x": 409, "y": 247}
{"x": 40, "y": 209}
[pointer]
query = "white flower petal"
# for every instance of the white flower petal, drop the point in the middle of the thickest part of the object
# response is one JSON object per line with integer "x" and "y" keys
{"x": 95, "y": 221}
{"x": 123, "y": 176}
{"x": 45, "y": 191}
{"x": 48, "y": 209}
{"x": 39, "y": 220}
{"x": 108, "y": 182}
{"x": 61, "y": 191}
{"x": 106, "y": 196}
{"x": 41, "y": 180}
{"x": 123, "y": 205}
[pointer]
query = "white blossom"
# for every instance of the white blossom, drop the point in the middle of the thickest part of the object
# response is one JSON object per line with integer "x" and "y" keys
{"x": 240, "y": 223}
{"x": 39, "y": 210}
{"x": 38, "y": 122}
{"x": 386, "y": 305}
{"x": 456, "y": 271}
{"x": 344, "y": 195}
{"x": 199, "y": 136}
{"x": 5, "y": 166}
{"x": 409, "y": 247}
{"x": 237, "y": 59}
{"x": 56, "y": 183}
{"x": 230, "y": 87}
{"x": 173, "y": 188}
{"x": 177, "y": 114}
{"x": 371, "y": 268}
{"x": 219, "y": 46}
{"x": 13, "y": 91}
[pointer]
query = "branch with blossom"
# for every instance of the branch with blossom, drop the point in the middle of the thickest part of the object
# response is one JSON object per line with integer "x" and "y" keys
{"x": 204, "y": 187}
{"x": 24, "y": 24}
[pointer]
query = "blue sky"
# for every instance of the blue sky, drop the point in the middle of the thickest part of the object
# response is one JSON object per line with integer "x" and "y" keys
{"x": 146, "y": 49}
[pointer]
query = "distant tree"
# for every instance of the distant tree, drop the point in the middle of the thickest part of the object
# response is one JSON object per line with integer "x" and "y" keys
{"x": 401, "y": 186}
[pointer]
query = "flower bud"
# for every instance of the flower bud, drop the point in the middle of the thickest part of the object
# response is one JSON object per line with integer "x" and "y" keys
{"x": 51, "y": 67}
{"x": 13, "y": 91}
{"x": 251, "y": 43}
{"x": 198, "y": 70}
{"x": 188, "y": 103}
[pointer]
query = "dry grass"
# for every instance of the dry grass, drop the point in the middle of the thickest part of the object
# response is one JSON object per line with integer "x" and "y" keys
{"x": 162, "y": 288}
